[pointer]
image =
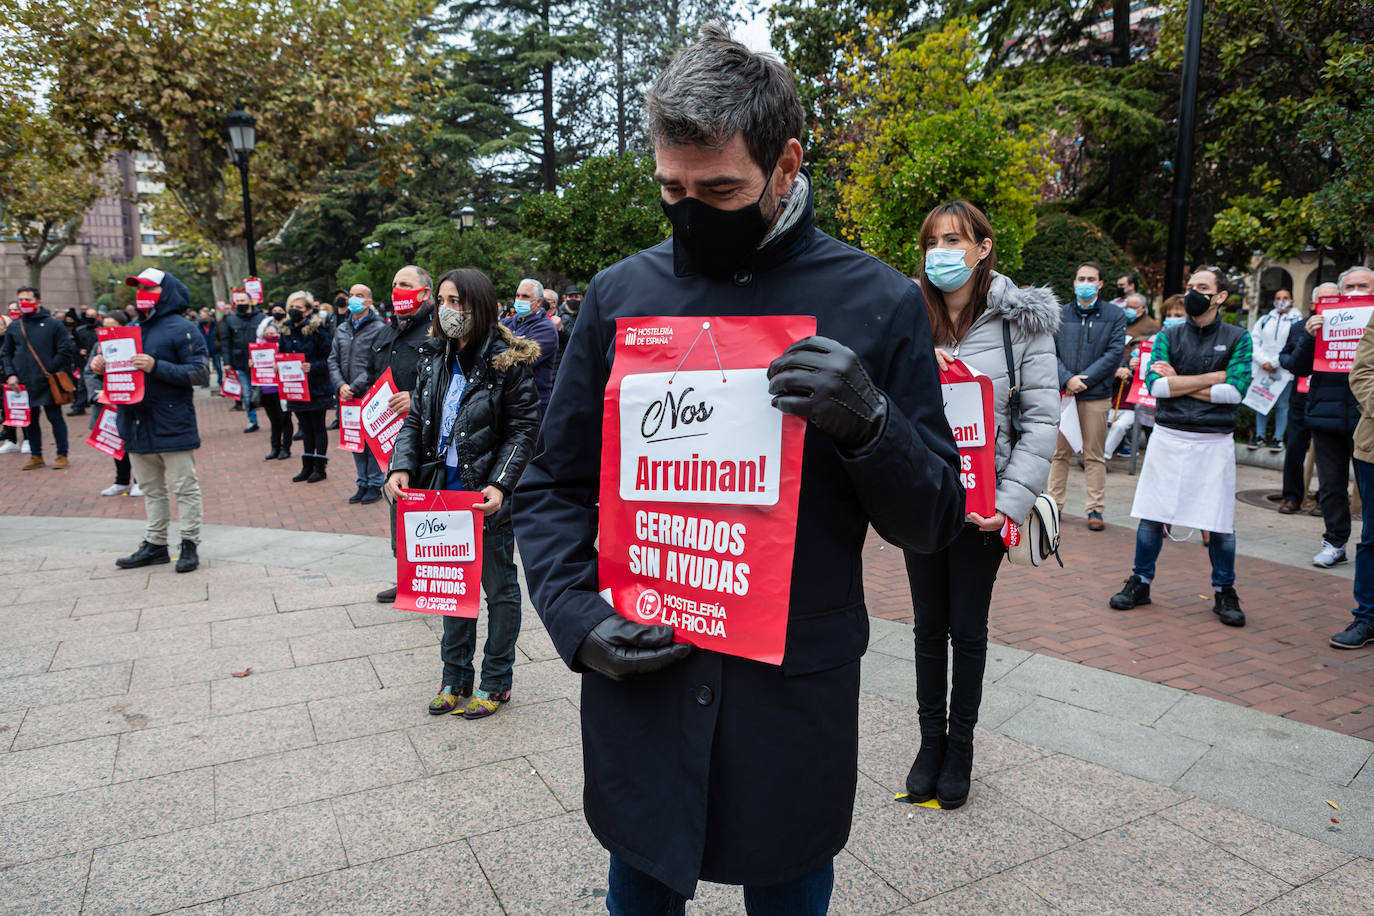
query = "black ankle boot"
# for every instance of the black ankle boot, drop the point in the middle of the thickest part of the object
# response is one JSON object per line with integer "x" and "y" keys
{"x": 318, "y": 473}
{"x": 925, "y": 770}
{"x": 951, "y": 790}
{"x": 307, "y": 468}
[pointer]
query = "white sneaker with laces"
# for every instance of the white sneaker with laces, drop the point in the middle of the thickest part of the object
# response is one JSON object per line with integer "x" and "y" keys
{"x": 134, "y": 490}
{"x": 9, "y": 448}
{"x": 25, "y": 448}
{"x": 1329, "y": 556}
{"x": 115, "y": 489}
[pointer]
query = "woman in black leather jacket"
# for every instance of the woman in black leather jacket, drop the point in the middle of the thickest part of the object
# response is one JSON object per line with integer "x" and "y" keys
{"x": 472, "y": 426}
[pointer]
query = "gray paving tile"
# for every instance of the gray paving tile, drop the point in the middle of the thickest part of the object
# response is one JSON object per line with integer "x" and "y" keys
{"x": 1318, "y": 751}
{"x": 313, "y": 773}
{"x": 358, "y": 642}
{"x": 54, "y": 608}
{"x": 534, "y": 640}
{"x": 401, "y": 818}
{"x": 177, "y": 615}
{"x": 515, "y": 861}
{"x": 292, "y": 685}
{"x": 87, "y": 818}
{"x": 419, "y": 665}
{"x": 994, "y": 894}
{"x": 368, "y": 612}
{"x": 1002, "y": 660}
{"x": 52, "y": 887}
{"x": 278, "y": 626}
{"x": 1156, "y": 868}
{"x": 926, "y": 851}
{"x": 23, "y": 660}
{"x": 1092, "y": 688}
{"x": 216, "y": 740}
{"x": 879, "y": 714}
{"x": 536, "y": 682}
{"x": 205, "y": 863}
{"x": 210, "y": 664}
{"x": 53, "y": 770}
{"x": 1000, "y": 704}
{"x": 342, "y": 717}
{"x": 112, "y": 597}
{"x": 889, "y": 677}
{"x": 41, "y": 632}
{"x": 114, "y": 647}
{"x": 1285, "y": 798}
{"x": 297, "y": 599}
{"x": 10, "y": 720}
{"x": 561, "y": 770}
{"x": 1348, "y": 889}
{"x": 1114, "y": 743}
{"x": 443, "y": 879}
{"x": 112, "y": 715}
{"x": 510, "y": 733}
{"x": 1284, "y": 854}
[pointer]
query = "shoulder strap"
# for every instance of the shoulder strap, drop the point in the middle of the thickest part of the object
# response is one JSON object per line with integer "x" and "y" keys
{"x": 1013, "y": 392}
{"x": 25, "y": 331}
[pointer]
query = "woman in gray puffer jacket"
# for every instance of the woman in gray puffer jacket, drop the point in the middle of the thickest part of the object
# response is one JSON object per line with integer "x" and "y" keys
{"x": 969, "y": 305}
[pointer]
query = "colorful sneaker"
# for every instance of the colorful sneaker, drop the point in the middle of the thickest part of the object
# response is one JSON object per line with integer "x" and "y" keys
{"x": 483, "y": 705}
{"x": 447, "y": 699}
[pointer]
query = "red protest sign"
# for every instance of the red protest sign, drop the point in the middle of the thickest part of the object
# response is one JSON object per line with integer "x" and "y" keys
{"x": 968, "y": 408}
{"x": 262, "y": 363}
{"x": 253, "y": 287}
{"x": 1344, "y": 319}
{"x": 700, "y": 476}
{"x": 1140, "y": 394}
{"x": 1305, "y": 383}
{"x": 291, "y": 377}
{"x": 17, "y": 406}
{"x": 105, "y": 435}
{"x": 381, "y": 424}
{"x": 351, "y": 424}
{"x": 230, "y": 387}
{"x": 438, "y": 552}
{"x": 123, "y": 384}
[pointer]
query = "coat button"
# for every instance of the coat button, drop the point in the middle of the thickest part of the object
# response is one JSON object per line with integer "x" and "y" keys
{"x": 704, "y": 696}
{"x": 743, "y": 277}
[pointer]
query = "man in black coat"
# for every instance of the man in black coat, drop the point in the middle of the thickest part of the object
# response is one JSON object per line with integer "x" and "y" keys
{"x": 701, "y": 765}
{"x": 241, "y": 330}
{"x": 36, "y": 346}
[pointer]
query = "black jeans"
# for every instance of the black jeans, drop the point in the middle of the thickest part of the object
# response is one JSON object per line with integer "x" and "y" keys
{"x": 1296, "y": 440}
{"x": 34, "y": 432}
{"x": 280, "y": 419}
{"x": 1334, "y": 451}
{"x": 501, "y": 584}
{"x": 950, "y": 592}
{"x": 123, "y": 471}
{"x": 314, "y": 439}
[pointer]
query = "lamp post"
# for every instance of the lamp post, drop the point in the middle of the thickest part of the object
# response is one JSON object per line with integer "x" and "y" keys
{"x": 1183, "y": 162}
{"x": 242, "y": 139}
{"x": 466, "y": 218}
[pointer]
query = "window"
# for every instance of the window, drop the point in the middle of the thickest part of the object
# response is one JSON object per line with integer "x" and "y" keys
{"x": 149, "y": 238}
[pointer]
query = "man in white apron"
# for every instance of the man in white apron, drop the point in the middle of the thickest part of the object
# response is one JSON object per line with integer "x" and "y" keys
{"x": 1199, "y": 374}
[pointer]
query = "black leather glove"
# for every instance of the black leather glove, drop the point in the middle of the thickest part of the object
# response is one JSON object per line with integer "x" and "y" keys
{"x": 619, "y": 647}
{"x": 824, "y": 381}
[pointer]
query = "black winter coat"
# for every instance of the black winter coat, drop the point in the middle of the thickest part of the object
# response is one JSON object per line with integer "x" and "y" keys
{"x": 165, "y": 420}
{"x": 1330, "y": 405}
{"x": 398, "y": 348}
{"x": 239, "y": 332}
{"x": 50, "y": 340}
{"x": 1089, "y": 344}
{"x": 311, "y": 338}
{"x": 497, "y": 420}
{"x": 717, "y": 767}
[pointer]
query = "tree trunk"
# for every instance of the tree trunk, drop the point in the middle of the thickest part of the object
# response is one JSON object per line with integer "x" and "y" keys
{"x": 233, "y": 262}
{"x": 1121, "y": 33}
{"x": 549, "y": 158}
{"x": 35, "y": 273}
{"x": 620, "y": 119}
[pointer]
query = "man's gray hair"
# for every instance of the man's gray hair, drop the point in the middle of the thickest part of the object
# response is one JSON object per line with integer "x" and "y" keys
{"x": 717, "y": 88}
{"x": 538, "y": 287}
{"x": 426, "y": 280}
{"x": 1140, "y": 300}
{"x": 1340, "y": 281}
{"x": 1335, "y": 289}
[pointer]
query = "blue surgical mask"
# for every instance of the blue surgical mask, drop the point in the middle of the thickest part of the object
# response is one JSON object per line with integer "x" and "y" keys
{"x": 522, "y": 308}
{"x": 1174, "y": 321}
{"x": 1086, "y": 292}
{"x": 356, "y": 305}
{"x": 945, "y": 268}
{"x": 1131, "y": 315}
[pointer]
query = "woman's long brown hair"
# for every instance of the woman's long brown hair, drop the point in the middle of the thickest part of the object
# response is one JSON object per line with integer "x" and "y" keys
{"x": 974, "y": 225}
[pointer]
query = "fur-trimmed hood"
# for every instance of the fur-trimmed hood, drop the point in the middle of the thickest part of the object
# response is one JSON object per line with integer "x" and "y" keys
{"x": 519, "y": 350}
{"x": 311, "y": 325}
{"x": 1035, "y": 308}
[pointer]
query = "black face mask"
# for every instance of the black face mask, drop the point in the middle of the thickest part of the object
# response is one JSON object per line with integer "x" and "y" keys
{"x": 719, "y": 241}
{"x": 244, "y": 308}
{"x": 1196, "y": 303}
{"x": 297, "y": 316}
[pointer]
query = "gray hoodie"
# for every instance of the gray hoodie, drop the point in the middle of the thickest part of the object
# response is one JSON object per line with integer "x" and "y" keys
{"x": 1034, "y": 316}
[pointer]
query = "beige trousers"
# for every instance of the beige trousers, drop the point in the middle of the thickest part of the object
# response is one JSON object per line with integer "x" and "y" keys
{"x": 1092, "y": 417}
{"x": 161, "y": 473}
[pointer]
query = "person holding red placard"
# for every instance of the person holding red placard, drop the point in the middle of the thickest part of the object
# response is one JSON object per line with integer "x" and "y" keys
{"x": 278, "y": 417}
{"x": 355, "y": 331}
{"x": 472, "y": 425}
{"x": 35, "y": 347}
{"x": 1298, "y": 436}
{"x": 305, "y": 332}
{"x": 976, "y": 314}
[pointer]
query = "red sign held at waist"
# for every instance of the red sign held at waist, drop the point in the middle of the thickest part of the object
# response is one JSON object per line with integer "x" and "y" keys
{"x": 291, "y": 380}
{"x": 968, "y": 408}
{"x": 1344, "y": 319}
{"x": 122, "y": 384}
{"x": 438, "y": 552}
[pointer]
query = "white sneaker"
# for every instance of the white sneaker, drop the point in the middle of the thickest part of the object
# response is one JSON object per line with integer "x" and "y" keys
{"x": 9, "y": 448}
{"x": 115, "y": 489}
{"x": 25, "y": 448}
{"x": 1329, "y": 556}
{"x": 134, "y": 490}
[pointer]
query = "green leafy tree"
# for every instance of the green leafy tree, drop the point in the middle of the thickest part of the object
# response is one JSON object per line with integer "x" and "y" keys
{"x": 1062, "y": 242}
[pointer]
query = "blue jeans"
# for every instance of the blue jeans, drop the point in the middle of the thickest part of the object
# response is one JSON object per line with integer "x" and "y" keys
{"x": 247, "y": 401}
{"x": 1279, "y": 412}
{"x": 218, "y": 360}
{"x": 1364, "y": 551}
{"x": 633, "y": 893}
{"x": 502, "y": 588}
{"x": 34, "y": 433}
{"x": 1149, "y": 540}
{"x": 365, "y": 467}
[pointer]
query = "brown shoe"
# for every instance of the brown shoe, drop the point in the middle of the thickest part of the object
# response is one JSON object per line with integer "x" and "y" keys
{"x": 60, "y": 463}
{"x": 1095, "y": 522}
{"x": 1288, "y": 507}
{"x": 35, "y": 462}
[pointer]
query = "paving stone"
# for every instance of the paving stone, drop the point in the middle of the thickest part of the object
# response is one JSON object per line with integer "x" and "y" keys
{"x": 388, "y": 821}
{"x": 206, "y": 863}
{"x": 313, "y": 773}
{"x": 1101, "y": 691}
{"x": 217, "y": 740}
{"x": 53, "y": 770}
{"x": 510, "y": 733}
{"x": 87, "y": 818}
{"x": 109, "y": 598}
{"x": 24, "y": 660}
{"x": 536, "y": 682}
{"x": 52, "y": 887}
{"x": 419, "y": 665}
{"x": 278, "y": 626}
{"x": 10, "y": 720}
{"x": 368, "y": 612}
{"x": 926, "y": 851}
{"x": 1156, "y": 868}
{"x": 356, "y": 643}
{"x": 54, "y": 608}
{"x": 292, "y": 685}
{"x": 561, "y": 770}
{"x": 1284, "y": 854}
{"x": 994, "y": 894}
{"x": 1348, "y": 889}
{"x": 1294, "y": 745}
{"x": 211, "y": 664}
{"x": 96, "y": 650}
{"x": 517, "y": 863}
{"x": 176, "y": 615}
{"x": 113, "y": 715}
{"x": 889, "y": 677}
{"x": 1000, "y": 704}
{"x": 297, "y": 599}
{"x": 534, "y": 640}
{"x": 343, "y": 717}
{"x": 879, "y": 714}
{"x": 41, "y": 632}
{"x": 1123, "y": 746}
{"x": 1081, "y": 797}
{"x": 399, "y": 886}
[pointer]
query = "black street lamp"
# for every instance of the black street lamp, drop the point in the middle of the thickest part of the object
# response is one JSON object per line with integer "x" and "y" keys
{"x": 1183, "y": 162}
{"x": 466, "y": 218}
{"x": 242, "y": 139}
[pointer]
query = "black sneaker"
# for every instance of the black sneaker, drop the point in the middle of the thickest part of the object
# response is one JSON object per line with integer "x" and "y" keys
{"x": 1133, "y": 594}
{"x": 358, "y": 495}
{"x": 1255, "y": 443}
{"x": 387, "y": 596}
{"x": 146, "y": 555}
{"x": 333, "y": 425}
{"x": 189, "y": 559}
{"x": 1358, "y": 635}
{"x": 373, "y": 494}
{"x": 1227, "y": 607}
{"x": 251, "y": 428}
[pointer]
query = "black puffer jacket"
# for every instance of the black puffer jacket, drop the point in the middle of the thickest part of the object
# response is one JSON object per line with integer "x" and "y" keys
{"x": 240, "y": 330}
{"x": 397, "y": 348}
{"x": 1330, "y": 405}
{"x": 497, "y": 422}
{"x": 310, "y": 338}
